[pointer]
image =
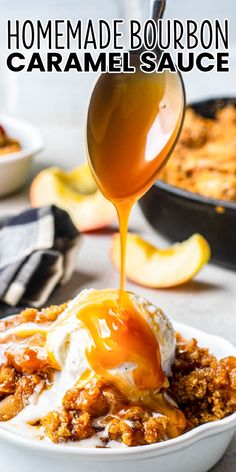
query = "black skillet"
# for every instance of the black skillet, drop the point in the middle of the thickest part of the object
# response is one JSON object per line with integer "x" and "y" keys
{"x": 176, "y": 214}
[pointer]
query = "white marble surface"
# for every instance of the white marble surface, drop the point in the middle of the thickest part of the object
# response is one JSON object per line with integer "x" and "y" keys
{"x": 57, "y": 104}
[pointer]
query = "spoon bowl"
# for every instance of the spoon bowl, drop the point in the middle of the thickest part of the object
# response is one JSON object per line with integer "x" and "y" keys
{"x": 133, "y": 124}
{"x": 134, "y": 121}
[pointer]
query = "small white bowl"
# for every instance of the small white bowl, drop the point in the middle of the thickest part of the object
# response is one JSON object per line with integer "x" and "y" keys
{"x": 15, "y": 166}
{"x": 195, "y": 451}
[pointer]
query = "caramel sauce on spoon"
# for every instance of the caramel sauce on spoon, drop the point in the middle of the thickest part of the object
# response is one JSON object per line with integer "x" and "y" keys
{"x": 133, "y": 124}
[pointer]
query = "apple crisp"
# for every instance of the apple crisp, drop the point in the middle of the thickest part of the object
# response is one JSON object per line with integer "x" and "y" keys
{"x": 200, "y": 389}
{"x": 204, "y": 160}
{"x": 7, "y": 144}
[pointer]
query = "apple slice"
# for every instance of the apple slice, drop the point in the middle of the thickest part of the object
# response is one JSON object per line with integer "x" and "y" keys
{"x": 159, "y": 268}
{"x": 77, "y": 193}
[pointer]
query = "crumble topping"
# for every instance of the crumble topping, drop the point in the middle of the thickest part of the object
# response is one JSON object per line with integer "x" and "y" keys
{"x": 7, "y": 144}
{"x": 204, "y": 161}
{"x": 200, "y": 389}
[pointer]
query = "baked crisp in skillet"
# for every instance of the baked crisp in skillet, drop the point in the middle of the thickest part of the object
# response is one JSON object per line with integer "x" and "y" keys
{"x": 204, "y": 160}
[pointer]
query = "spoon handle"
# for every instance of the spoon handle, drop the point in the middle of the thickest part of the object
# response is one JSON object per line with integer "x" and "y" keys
{"x": 157, "y": 8}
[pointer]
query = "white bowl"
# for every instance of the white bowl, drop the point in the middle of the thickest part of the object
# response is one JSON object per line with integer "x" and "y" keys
{"x": 195, "y": 451}
{"x": 15, "y": 166}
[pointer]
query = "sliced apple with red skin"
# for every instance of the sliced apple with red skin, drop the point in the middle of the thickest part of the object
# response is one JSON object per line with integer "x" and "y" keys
{"x": 77, "y": 193}
{"x": 161, "y": 268}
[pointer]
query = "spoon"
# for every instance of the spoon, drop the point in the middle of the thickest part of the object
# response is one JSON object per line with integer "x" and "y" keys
{"x": 134, "y": 121}
{"x": 133, "y": 124}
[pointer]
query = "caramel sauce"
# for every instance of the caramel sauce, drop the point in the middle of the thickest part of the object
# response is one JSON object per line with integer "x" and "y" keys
{"x": 133, "y": 123}
{"x": 177, "y": 420}
{"x": 26, "y": 353}
{"x": 121, "y": 337}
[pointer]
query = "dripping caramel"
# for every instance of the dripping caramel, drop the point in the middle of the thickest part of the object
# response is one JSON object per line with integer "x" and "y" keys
{"x": 121, "y": 337}
{"x": 133, "y": 123}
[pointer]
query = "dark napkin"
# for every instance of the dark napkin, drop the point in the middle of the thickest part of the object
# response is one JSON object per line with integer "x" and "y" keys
{"x": 37, "y": 252}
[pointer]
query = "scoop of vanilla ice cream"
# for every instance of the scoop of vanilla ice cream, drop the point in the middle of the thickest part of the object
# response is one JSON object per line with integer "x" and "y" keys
{"x": 63, "y": 339}
{"x": 68, "y": 341}
{"x": 161, "y": 327}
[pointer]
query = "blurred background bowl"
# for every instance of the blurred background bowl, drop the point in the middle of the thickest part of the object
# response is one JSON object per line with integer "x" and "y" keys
{"x": 15, "y": 166}
{"x": 176, "y": 214}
